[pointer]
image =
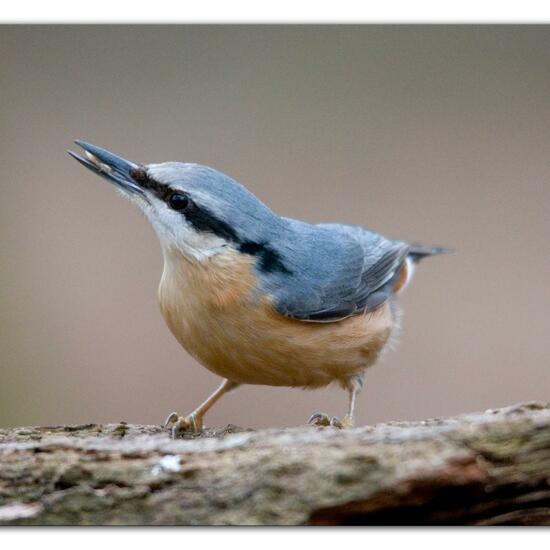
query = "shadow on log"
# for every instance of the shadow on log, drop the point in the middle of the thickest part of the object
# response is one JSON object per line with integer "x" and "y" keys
{"x": 491, "y": 468}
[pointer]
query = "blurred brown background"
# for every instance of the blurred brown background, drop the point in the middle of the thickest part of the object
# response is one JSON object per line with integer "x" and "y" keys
{"x": 431, "y": 133}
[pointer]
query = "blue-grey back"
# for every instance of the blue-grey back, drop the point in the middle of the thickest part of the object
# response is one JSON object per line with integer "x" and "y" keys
{"x": 322, "y": 272}
{"x": 334, "y": 270}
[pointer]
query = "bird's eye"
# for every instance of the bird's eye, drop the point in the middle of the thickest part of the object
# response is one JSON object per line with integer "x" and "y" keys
{"x": 178, "y": 201}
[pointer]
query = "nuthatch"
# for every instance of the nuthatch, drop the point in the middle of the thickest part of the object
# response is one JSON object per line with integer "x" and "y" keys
{"x": 257, "y": 298}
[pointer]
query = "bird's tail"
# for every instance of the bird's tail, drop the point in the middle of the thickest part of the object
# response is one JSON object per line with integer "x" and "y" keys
{"x": 419, "y": 251}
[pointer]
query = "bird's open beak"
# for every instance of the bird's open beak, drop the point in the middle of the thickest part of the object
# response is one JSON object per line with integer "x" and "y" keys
{"x": 107, "y": 165}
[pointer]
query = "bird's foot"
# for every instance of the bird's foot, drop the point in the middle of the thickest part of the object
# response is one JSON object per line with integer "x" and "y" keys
{"x": 322, "y": 419}
{"x": 180, "y": 425}
{"x": 347, "y": 421}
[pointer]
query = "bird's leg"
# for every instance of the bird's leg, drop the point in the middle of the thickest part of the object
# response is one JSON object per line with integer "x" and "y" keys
{"x": 193, "y": 422}
{"x": 354, "y": 386}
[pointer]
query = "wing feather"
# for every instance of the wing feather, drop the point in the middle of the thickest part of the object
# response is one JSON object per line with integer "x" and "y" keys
{"x": 361, "y": 268}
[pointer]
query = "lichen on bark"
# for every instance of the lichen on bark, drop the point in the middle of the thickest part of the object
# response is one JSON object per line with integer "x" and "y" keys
{"x": 484, "y": 468}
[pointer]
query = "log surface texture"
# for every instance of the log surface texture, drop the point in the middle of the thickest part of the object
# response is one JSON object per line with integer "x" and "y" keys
{"x": 490, "y": 468}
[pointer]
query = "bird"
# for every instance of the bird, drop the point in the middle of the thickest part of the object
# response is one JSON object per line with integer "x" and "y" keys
{"x": 258, "y": 298}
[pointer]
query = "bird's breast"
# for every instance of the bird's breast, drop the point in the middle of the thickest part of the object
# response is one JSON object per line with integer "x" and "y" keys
{"x": 215, "y": 311}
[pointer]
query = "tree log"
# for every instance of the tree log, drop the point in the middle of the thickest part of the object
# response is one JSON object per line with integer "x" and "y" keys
{"x": 490, "y": 468}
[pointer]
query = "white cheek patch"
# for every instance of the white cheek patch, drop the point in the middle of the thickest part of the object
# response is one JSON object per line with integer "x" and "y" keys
{"x": 201, "y": 245}
{"x": 174, "y": 231}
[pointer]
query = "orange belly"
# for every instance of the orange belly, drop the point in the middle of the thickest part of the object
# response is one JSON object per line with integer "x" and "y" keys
{"x": 213, "y": 312}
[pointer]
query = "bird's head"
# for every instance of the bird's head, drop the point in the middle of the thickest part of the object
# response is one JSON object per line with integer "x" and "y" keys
{"x": 194, "y": 209}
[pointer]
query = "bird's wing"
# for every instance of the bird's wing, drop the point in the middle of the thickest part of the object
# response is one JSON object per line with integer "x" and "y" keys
{"x": 352, "y": 275}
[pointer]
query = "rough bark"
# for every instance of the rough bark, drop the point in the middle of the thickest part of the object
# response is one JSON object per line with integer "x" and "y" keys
{"x": 491, "y": 468}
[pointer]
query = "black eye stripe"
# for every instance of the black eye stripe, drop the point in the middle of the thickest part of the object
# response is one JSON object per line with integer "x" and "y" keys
{"x": 141, "y": 177}
{"x": 268, "y": 259}
{"x": 202, "y": 219}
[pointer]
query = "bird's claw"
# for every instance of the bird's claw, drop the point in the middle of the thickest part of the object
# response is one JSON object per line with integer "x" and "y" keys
{"x": 347, "y": 422}
{"x": 322, "y": 419}
{"x": 319, "y": 419}
{"x": 171, "y": 419}
{"x": 336, "y": 423}
{"x": 179, "y": 425}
